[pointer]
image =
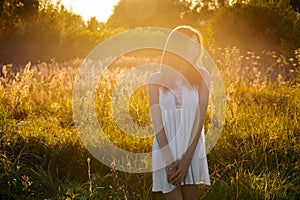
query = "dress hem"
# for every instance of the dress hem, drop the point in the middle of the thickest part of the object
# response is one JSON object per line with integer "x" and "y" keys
{"x": 164, "y": 192}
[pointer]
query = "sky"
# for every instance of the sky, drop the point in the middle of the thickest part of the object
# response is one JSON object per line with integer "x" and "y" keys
{"x": 101, "y": 9}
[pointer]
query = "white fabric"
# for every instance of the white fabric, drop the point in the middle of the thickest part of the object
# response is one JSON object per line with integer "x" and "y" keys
{"x": 178, "y": 123}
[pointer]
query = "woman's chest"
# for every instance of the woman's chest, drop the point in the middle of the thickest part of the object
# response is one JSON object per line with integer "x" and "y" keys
{"x": 184, "y": 97}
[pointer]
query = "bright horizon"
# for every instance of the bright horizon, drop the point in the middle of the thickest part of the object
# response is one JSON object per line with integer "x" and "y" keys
{"x": 101, "y": 9}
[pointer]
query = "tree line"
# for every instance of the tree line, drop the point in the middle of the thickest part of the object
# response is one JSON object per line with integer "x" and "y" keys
{"x": 39, "y": 30}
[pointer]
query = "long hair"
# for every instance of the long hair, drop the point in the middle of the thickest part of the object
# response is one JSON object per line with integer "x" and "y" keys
{"x": 189, "y": 41}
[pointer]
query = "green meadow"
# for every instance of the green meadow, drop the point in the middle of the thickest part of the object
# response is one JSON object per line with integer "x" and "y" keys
{"x": 256, "y": 156}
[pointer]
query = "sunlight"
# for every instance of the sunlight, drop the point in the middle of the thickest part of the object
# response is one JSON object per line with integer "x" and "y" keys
{"x": 101, "y": 9}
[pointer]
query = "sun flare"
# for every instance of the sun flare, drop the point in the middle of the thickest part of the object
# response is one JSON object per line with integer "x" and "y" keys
{"x": 101, "y": 9}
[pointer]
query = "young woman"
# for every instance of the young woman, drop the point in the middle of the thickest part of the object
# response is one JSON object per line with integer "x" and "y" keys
{"x": 178, "y": 97}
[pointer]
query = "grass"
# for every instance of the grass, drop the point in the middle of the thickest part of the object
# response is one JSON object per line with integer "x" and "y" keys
{"x": 256, "y": 157}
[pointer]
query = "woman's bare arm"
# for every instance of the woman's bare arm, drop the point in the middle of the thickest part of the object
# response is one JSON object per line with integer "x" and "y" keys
{"x": 183, "y": 164}
{"x": 155, "y": 112}
{"x": 199, "y": 121}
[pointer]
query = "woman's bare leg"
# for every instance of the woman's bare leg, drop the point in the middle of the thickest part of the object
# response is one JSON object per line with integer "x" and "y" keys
{"x": 175, "y": 194}
{"x": 190, "y": 192}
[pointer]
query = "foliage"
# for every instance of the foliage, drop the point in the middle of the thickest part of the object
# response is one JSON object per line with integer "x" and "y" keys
{"x": 13, "y": 12}
{"x": 256, "y": 157}
{"x": 257, "y": 27}
{"x": 52, "y": 32}
{"x": 156, "y": 13}
{"x": 39, "y": 30}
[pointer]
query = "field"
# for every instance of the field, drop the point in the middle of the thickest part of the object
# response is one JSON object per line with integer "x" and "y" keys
{"x": 256, "y": 157}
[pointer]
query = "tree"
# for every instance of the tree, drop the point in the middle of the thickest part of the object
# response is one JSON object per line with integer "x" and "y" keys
{"x": 295, "y": 4}
{"x": 16, "y": 14}
{"x": 256, "y": 27}
{"x": 136, "y": 13}
{"x": 94, "y": 25}
{"x": 28, "y": 9}
{"x": 25, "y": 9}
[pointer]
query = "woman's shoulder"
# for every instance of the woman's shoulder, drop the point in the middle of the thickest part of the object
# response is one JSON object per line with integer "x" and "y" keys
{"x": 204, "y": 72}
{"x": 154, "y": 77}
{"x": 205, "y": 75}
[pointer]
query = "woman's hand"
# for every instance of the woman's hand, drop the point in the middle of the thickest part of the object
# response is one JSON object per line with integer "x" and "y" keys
{"x": 181, "y": 167}
{"x": 170, "y": 170}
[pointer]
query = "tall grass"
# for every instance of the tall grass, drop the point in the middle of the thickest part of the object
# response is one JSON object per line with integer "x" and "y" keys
{"x": 256, "y": 157}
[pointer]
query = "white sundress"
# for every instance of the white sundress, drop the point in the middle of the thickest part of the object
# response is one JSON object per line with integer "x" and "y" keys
{"x": 178, "y": 123}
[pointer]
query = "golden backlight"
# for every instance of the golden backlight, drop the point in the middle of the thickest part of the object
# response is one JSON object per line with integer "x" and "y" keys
{"x": 101, "y": 9}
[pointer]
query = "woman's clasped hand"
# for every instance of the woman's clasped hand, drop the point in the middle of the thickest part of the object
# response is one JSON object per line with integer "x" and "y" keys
{"x": 177, "y": 171}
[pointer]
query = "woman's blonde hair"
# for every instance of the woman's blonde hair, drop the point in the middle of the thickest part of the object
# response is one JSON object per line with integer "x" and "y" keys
{"x": 182, "y": 64}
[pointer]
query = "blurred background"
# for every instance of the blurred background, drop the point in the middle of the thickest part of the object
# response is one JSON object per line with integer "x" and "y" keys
{"x": 39, "y": 30}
